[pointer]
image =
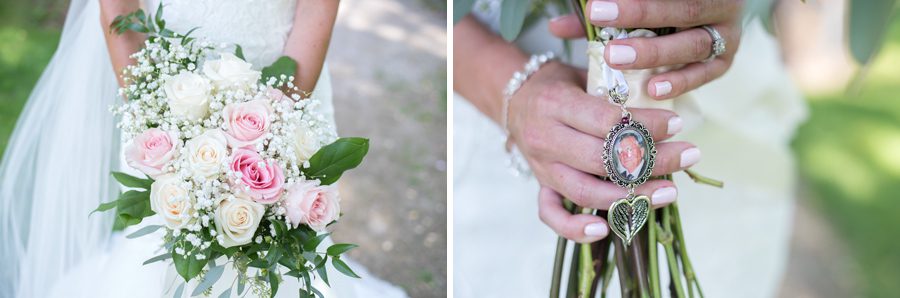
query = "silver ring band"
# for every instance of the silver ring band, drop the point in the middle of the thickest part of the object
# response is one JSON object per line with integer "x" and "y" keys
{"x": 718, "y": 43}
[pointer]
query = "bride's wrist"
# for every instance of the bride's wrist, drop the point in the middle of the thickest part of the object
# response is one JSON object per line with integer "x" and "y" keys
{"x": 518, "y": 79}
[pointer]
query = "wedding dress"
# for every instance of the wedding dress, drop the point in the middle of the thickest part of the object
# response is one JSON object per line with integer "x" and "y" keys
{"x": 738, "y": 236}
{"x": 56, "y": 169}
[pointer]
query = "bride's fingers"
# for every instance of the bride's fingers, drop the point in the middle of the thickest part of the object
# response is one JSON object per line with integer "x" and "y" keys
{"x": 659, "y": 13}
{"x": 582, "y": 228}
{"x": 566, "y": 26}
{"x": 595, "y": 116}
{"x": 585, "y": 153}
{"x": 675, "y": 156}
{"x": 676, "y": 82}
{"x": 688, "y": 46}
{"x": 589, "y": 191}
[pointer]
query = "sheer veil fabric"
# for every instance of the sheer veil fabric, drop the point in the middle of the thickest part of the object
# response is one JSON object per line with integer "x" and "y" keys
{"x": 56, "y": 168}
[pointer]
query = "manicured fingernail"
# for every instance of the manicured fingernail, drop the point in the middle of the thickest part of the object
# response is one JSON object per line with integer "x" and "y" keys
{"x": 597, "y": 229}
{"x": 619, "y": 54}
{"x": 675, "y": 125}
{"x": 664, "y": 195}
{"x": 690, "y": 157}
{"x": 603, "y": 11}
{"x": 662, "y": 88}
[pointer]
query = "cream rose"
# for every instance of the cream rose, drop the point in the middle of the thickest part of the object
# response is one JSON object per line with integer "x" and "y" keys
{"x": 207, "y": 153}
{"x": 230, "y": 70}
{"x": 237, "y": 219}
{"x": 188, "y": 95}
{"x": 312, "y": 204}
{"x": 304, "y": 143}
{"x": 171, "y": 201}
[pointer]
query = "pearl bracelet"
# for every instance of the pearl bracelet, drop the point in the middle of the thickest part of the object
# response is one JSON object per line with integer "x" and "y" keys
{"x": 518, "y": 79}
{"x": 517, "y": 161}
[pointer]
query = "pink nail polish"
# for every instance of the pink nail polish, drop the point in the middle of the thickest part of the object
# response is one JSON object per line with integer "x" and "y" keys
{"x": 674, "y": 126}
{"x": 604, "y": 11}
{"x": 621, "y": 54}
{"x": 663, "y": 88}
{"x": 597, "y": 229}
{"x": 664, "y": 195}
{"x": 690, "y": 157}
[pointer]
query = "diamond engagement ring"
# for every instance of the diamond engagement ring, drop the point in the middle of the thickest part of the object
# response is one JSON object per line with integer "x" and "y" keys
{"x": 718, "y": 43}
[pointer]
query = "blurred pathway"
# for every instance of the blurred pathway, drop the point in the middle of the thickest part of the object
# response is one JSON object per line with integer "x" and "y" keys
{"x": 388, "y": 66}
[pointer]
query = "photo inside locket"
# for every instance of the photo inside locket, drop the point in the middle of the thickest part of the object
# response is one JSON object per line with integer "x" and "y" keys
{"x": 630, "y": 154}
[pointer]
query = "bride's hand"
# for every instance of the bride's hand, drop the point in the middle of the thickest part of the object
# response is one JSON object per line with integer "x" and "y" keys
{"x": 560, "y": 129}
{"x": 690, "y": 46}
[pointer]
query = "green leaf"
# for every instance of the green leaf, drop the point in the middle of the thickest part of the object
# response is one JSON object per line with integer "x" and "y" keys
{"x": 273, "y": 256}
{"x": 273, "y": 282}
{"x": 144, "y": 231}
{"x": 131, "y": 181}
{"x": 105, "y": 206}
{"x": 158, "y": 258}
{"x": 133, "y": 206}
{"x": 179, "y": 291}
{"x": 283, "y": 66}
{"x": 461, "y": 8}
{"x": 343, "y": 268}
{"x": 138, "y": 28}
{"x": 187, "y": 267}
{"x": 340, "y": 248}
{"x": 159, "y": 19}
{"x": 240, "y": 287}
{"x": 331, "y": 161}
{"x": 211, "y": 277}
{"x": 512, "y": 18}
{"x": 312, "y": 243}
{"x": 869, "y": 20}
{"x": 239, "y": 52}
{"x": 323, "y": 272}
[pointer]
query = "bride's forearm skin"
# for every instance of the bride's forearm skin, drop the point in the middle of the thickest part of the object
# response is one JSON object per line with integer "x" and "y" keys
{"x": 309, "y": 38}
{"x": 474, "y": 47}
{"x": 120, "y": 46}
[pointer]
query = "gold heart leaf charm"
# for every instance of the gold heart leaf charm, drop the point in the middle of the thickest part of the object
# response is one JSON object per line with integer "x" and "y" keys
{"x": 627, "y": 216}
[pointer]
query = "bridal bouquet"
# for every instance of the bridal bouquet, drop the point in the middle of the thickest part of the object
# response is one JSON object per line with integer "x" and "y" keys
{"x": 241, "y": 165}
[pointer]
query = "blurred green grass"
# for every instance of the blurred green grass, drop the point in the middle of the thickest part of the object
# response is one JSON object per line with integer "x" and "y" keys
{"x": 849, "y": 156}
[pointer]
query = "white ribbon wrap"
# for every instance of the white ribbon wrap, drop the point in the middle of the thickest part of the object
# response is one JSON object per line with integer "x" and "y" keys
{"x": 601, "y": 77}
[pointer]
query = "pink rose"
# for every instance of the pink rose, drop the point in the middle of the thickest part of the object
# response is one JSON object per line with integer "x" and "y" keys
{"x": 246, "y": 123}
{"x": 265, "y": 179}
{"x": 312, "y": 204}
{"x": 150, "y": 151}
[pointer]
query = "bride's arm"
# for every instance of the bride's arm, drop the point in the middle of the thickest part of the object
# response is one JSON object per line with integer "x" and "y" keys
{"x": 120, "y": 46}
{"x": 309, "y": 38}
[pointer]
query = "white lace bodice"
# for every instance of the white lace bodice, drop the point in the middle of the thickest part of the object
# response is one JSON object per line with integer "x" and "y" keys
{"x": 260, "y": 27}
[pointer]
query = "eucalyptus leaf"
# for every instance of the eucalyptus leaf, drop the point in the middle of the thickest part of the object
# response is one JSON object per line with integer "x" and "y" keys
{"x": 240, "y": 287}
{"x": 512, "y": 18}
{"x": 869, "y": 20}
{"x": 210, "y": 279}
{"x": 461, "y": 8}
{"x": 144, "y": 231}
{"x": 158, "y": 258}
{"x": 225, "y": 294}
{"x": 343, "y": 267}
{"x": 340, "y": 248}
{"x": 179, "y": 291}
{"x": 332, "y": 160}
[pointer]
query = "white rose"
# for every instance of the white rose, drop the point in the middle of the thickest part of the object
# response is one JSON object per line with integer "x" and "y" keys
{"x": 207, "y": 153}
{"x": 305, "y": 144}
{"x": 188, "y": 95}
{"x": 171, "y": 200}
{"x": 237, "y": 220}
{"x": 229, "y": 70}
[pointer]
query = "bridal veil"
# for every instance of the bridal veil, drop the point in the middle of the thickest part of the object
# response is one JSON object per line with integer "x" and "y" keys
{"x": 56, "y": 169}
